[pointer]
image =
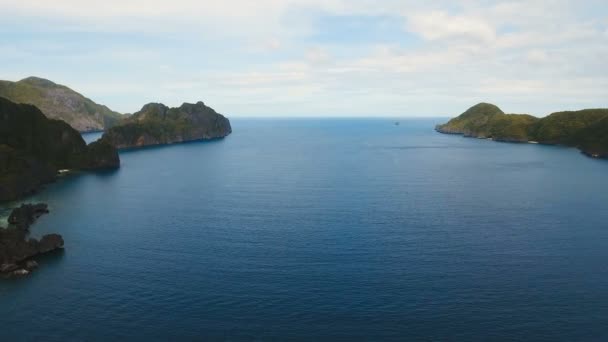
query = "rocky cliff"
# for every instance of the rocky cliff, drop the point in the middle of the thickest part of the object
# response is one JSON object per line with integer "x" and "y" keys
{"x": 33, "y": 148}
{"x": 60, "y": 102}
{"x": 157, "y": 124}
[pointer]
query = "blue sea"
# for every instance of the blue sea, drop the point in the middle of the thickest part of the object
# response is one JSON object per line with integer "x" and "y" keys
{"x": 324, "y": 229}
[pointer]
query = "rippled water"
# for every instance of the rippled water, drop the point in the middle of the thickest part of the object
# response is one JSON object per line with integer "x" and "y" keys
{"x": 324, "y": 229}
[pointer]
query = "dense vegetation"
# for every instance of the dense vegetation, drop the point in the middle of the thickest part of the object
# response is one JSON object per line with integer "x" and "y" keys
{"x": 593, "y": 140}
{"x": 33, "y": 148}
{"x": 586, "y": 129}
{"x": 60, "y": 102}
{"x": 21, "y": 174}
{"x": 157, "y": 124}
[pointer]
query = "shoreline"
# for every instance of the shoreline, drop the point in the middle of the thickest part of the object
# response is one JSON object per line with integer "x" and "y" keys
{"x": 591, "y": 155}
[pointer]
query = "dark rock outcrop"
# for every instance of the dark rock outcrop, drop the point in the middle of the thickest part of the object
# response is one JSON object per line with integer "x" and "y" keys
{"x": 21, "y": 174}
{"x": 101, "y": 155}
{"x": 16, "y": 250}
{"x": 33, "y": 148}
{"x": 586, "y": 129}
{"x": 157, "y": 124}
{"x": 24, "y": 216}
{"x": 49, "y": 243}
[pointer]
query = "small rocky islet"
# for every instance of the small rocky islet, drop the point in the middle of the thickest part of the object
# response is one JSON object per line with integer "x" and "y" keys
{"x": 17, "y": 251}
{"x": 585, "y": 129}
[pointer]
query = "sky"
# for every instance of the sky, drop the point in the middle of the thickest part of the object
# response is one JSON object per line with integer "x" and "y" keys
{"x": 309, "y": 58}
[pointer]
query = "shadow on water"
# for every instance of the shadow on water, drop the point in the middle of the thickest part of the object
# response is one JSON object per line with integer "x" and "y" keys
{"x": 163, "y": 146}
{"x": 7, "y": 207}
{"x": 105, "y": 173}
{"x": 51, "y": 258}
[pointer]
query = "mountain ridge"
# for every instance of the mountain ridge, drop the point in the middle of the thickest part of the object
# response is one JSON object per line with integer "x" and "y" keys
{"x": 58, "y": 101}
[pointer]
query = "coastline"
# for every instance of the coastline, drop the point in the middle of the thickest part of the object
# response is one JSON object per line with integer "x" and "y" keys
{"x": 584, "y": 129}
{"x": 515, "y": 141}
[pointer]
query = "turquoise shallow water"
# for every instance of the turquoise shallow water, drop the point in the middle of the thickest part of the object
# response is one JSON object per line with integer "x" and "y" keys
{"x": 324, "y": 229}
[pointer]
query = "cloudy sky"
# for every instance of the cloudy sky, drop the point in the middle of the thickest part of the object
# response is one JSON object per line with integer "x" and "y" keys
{"x": 315, "y": 57}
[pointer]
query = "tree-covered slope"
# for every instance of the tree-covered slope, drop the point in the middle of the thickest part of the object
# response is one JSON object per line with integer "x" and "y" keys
{"x": 157, "y": 124}
{"x": 33, "y": 148}
{"x": 486, "y": 120}
{"x": 586, "y": 129}
{"x": 567, "y": 128}
{"x": 475, "y": 119}
{"x": 60, "y": 102}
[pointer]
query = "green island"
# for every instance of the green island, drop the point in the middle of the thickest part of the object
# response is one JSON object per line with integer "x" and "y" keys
{"x": 38, "y": 145}
{"x": 60, "y": 102}
{"x": 157, "y": 124}
{"x": 585, "y": 129}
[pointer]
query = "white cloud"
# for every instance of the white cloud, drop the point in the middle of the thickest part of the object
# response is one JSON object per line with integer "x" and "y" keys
{"x": 537, "y": 56}
{"x": 223, "y": 18}
{"x": 317, "y": 55}
{"x": 273, "y": 44}
{"x": 437, "y": 25}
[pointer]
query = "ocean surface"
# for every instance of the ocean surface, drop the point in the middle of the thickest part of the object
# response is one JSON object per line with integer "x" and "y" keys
{"x": 324, "y": 229}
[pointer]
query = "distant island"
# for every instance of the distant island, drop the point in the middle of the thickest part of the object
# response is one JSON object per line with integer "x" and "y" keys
{"x": 157, "y": 124}
{"x": 585, "y": 129}
{"x": 60, "y": 102}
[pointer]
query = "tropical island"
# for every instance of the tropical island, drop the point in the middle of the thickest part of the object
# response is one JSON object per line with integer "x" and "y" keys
{"x": 585, "y": 129}
{"x": 37, "y": 145}
{"x": 157, "y": 124}
{"x": 40, "y": 139}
